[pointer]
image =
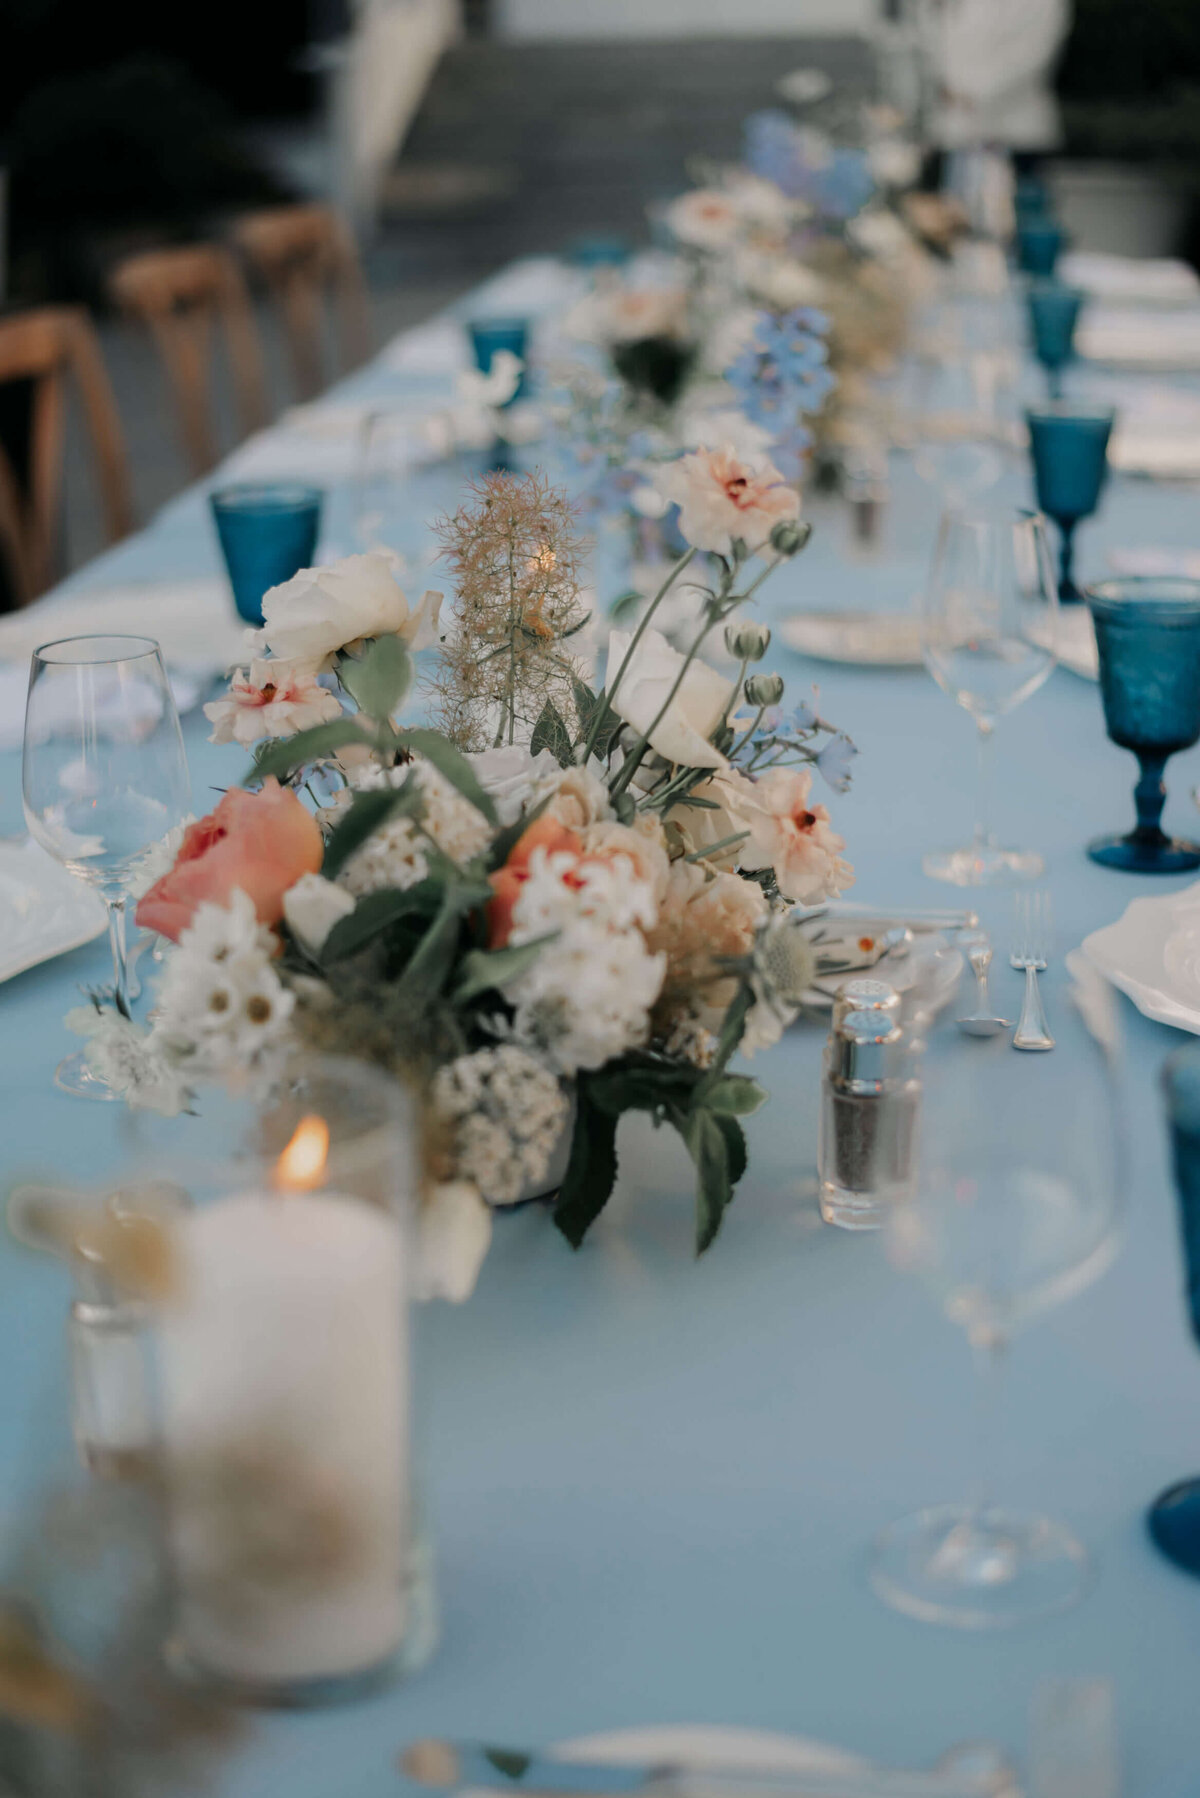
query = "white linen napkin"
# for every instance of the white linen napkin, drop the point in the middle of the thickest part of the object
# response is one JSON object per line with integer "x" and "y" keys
{"x": 1133, "y": 337}
{"x": 1162, "y": 280}
{"x": 193, "y": 622}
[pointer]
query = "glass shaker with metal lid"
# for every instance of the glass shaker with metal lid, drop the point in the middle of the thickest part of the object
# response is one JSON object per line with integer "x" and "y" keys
{"x": 870, "y": 1104}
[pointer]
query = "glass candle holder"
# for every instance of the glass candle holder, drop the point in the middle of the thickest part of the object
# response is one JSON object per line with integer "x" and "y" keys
{"x": 1040, "y": 242}
{"x": 282, "y": 1374}
{"x": 1174, "y": 1517}
{"x": 488, "y": 335}
{"x": 1070, "y": 464}
{"x": 1148, "y": 636}
{"x": 1053, "y": 314}
{"x": 267, "y": 534}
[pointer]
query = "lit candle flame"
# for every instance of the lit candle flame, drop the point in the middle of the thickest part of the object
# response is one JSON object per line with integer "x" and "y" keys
{"x": 301, "y": 1166}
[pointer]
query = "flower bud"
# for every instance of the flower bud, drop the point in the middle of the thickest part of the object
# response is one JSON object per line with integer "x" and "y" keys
{"x": 749, "y": 642}
{"x": 788, "y": 538}
{"x": 764, "y": 689}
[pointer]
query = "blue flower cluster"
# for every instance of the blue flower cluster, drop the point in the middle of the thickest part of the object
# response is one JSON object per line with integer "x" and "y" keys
{"x": 836, "y": 183}
{"x": 782, "y": 375}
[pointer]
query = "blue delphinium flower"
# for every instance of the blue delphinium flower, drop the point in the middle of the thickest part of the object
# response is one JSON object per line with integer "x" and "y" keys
{"x": 782, "y": 375}
{"x": 834, "y": 760}
{"x": 836, "y": 183}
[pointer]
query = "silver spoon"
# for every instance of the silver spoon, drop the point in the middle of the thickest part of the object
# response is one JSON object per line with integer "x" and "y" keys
{"x": 982, "y": 1021}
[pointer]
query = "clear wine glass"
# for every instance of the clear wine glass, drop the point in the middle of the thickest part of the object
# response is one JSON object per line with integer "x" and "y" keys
{"x": 957, "y": 432}
{"x": 104, "y": 779}
{"x": 387, "y": 455}
{"x": 989, "y": 618}
{"x": 1015, "y": 1209}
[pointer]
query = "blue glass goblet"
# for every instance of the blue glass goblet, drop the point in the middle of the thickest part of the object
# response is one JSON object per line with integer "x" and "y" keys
{"x": 1148, "y": 635}
{"x": 1031, "y": 199}
{"x": 1053, "y": 311}
{"x": 267, "y": 534}
{"x": 1174, "y": 1517}
{"x": 1070, "y": 462}
{"x": 1039, "y": 243}
{"x": 599, "y": 250}
{"x": 488, "y": 335}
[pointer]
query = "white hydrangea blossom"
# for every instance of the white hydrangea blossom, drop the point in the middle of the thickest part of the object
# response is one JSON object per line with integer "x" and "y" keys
{"x": 221, "y": 1004}
{"x": 561, "y": 890}
{"x": 129, "y": 1060}
{"x": 507, "y": 1112}
{"x": 587, "y": 997}
{"x": 397, "y": 855}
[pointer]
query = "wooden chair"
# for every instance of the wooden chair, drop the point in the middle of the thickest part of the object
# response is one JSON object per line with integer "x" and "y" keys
{"x": 182, "y": 295}
{"x": 46, "y": 348}
{"x": 305, "y": 255}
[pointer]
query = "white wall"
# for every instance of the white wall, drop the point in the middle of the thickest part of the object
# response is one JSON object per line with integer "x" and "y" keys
{"x": 680, "y": 18}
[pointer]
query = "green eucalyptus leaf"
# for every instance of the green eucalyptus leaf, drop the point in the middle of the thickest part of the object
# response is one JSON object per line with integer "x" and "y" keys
{"x": 735, "y": 1095}
{"x": 708, "y": 1147}
{"x": 373, "y": 914}
{"x": 506, "y": 840}
{"x": 426, "y": 973}
{"x": 625, "y": 605}
{"x": 508, "y": 1761}
{"x": 735, "y": 1147}
{"x": 591, "y": 1169}
{"x": 484, "y": 969}
{"x": 367, "y": 813}
{"x": 625, "y": 806}
{"x": 550, "y": 732}
{"x": 453, "y": 764}
{"x": 732, "y": 1027}
{"x": 379, "y": 678}
{"x": 285, "y": 755}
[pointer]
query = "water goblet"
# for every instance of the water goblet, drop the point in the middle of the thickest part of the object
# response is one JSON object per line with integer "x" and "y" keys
{"x": 267, "y": 534}
{"x": 956, "y": 431}
{"x": 1070, "y": 464}
{"x": 104, "y": 781}
{"x": 1014, "y": 1210}
{"x": 1174, "y": 1517}
{"x": 489, "y": 335}
{"x": 1039, "y": 244}
{"x": 1148, "y": 636}
{"x": 989, "y": 619}
{"x": 1053, "y": 312}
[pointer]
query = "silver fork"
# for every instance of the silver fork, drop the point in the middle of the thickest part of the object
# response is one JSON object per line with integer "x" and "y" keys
{"x": 1030, "y": 952}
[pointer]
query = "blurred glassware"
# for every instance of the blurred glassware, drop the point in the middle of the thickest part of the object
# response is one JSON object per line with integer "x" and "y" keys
{"x": 1069, "y": 448}
{"x": 598, "y": 250}
{"x": 956, "y": 432}
{"x": 1053, "y": 314}
{"x": 104, "y": 781}
{"x": 1040, "y": 242}
{"x": 1174, "y": 1517}
{"x": 1015, "y": 1209}
{"x": 267, "y": 534}
{"x": 1073, "y": 1748}
{"x": 387, "y": 456}
{"x": 1148, "y": 638}
{"x": 989, "y": 617}
{"x": 488, "y": 335}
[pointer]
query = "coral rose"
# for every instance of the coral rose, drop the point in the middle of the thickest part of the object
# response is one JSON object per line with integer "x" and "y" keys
{"x": 258, "y": 843}
{"x": 544, "y": 833}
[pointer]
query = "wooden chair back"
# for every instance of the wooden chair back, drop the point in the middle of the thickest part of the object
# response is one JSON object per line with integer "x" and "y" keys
{"x": 182, "y": 296}
{"x": 306, "y": 257}
{"x": 48, "y": 347}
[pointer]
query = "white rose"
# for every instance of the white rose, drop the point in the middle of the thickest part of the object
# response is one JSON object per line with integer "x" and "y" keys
{"x": 510, "y": 775}
{"x": 703, "y": 827}
{"x": 321, "y": 610}
{"x": 312, "y": 907}
{"x": 700, "y": 705}
{"x": 454, "y": 1228}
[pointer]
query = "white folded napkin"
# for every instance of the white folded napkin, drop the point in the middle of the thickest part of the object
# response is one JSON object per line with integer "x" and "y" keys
{"x": 1134, "y": 337}
{"x": 1153, "y": 560}
{"x": 1160, "y": 280}
{"x": 193, "y": 622}
{"x": 438, "y": 348}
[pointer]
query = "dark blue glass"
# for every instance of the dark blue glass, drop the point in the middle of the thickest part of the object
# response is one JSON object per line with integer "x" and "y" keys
{"x": 1148, "y": 635}
{"x": 1174, "y": 1517}
{"x": 1039, "y": 242}
{"x": 1053, "y": 311}
{"x": 1070, "y": 462}
{"x": 491, "y": 334}
{"x": 1031, "y": 199}
{"x": 599, "y": 251}
{"x": 267, "y": 535}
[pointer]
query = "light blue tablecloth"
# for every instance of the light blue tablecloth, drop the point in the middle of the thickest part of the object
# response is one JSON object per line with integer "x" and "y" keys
{"x": 652, "y": 1482}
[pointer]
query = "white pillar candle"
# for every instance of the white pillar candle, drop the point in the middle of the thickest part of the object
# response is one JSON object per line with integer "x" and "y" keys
{"x": 288, "y": 1335}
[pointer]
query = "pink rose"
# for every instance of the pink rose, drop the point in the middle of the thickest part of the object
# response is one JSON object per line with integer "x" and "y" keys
{"x": 722, "y": 495}
{"x": 792, "y": 835}
{"x": 261, "y": 843}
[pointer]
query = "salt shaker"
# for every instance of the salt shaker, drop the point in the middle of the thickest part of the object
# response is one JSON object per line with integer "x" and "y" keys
{"x": 870, "y": 1104}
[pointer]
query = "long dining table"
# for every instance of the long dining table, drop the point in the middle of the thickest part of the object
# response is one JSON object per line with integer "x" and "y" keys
{"x": 651, "y": 1481}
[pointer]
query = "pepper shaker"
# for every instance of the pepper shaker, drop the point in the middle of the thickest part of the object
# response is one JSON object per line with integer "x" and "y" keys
{"x": 870, "y": 1104}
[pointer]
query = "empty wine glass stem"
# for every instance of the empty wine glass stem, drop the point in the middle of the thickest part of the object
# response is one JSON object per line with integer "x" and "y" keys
{"x": 989, "y": 1350}
{"x": 983, "y": 791}
{"x": 116, "y": 938}
{"x": 1066, "y": 560}
{"x": 1149, "y": 796}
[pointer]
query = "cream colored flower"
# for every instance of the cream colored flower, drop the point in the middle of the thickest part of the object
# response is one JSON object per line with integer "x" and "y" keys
{"x": 792, "y": 835}
{"x": 513, "y": 777}
{"x": 642, "y": 844}
{"x": 699, "y": 706}
{"x": 723, "y": 496}
{"x": 701, "y": 827}
{"x": 321, "y": 610}
{"x": 312, "y": 907}
{"x": 779, "y": 281}
{"x": 580, "y": 797}
{"x": 702, "y": 917}
{"x": 454, "y": 1228}
{"x": 706, "y": 218}
{"x": 273, "y": 699}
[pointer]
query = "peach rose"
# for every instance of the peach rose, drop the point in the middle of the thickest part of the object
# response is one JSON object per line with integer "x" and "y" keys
{"x": 792, "y": 835}
{"x": 642, "y": 844}
{"x": 723, "y": 496}
{"x": 261, "y": 843}
{"x": 703, "y": 916}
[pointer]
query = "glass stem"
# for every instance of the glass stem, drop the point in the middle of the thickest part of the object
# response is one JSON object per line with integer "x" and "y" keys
{"x": 1067, "y": 589}
{"x": 116, "y": 938}
{"x": 990, "y": 1352}
{"x": 1149, "y": 796}
{"x": 983, "y": 791}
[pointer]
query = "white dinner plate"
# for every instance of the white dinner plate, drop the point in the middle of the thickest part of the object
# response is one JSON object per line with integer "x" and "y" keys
{"x": 712, "y": 1748}
{"x": 863, "y": 639}
{"x": 44, "y": 911}
{"x": 1152, "y": 953}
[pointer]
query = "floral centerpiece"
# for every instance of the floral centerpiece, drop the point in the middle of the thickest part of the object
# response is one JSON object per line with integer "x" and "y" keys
{"x": 554, "y": 904}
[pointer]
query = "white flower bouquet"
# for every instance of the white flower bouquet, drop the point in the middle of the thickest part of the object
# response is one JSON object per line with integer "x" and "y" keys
{"x": 564, "y": 904}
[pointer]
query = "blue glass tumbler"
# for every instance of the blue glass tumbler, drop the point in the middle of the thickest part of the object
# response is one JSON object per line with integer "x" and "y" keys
{"x": 488, "y": 335}
{"x": 1174, "y": 1517}
{"x": 1039, "y": 244}
{"x": 1070, "y": 463}
{"x": 1053, "y": 312}
{"x": 1148, "y": 635}
{"x": 267, "y": 535}
{"x": 1031, "y": 200}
